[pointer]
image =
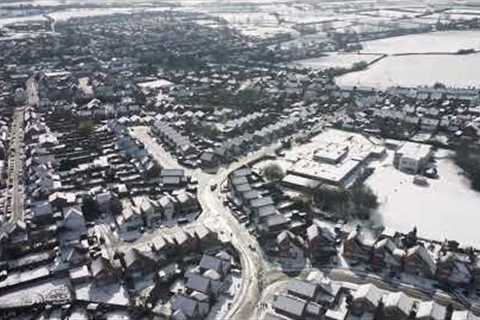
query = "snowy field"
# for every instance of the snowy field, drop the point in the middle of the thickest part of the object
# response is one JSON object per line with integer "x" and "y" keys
{"x": 446, "y": 41}
{"x": 417, "y": 70}
{"x": 448, "y": 208}
{"x": 335, "y": 60}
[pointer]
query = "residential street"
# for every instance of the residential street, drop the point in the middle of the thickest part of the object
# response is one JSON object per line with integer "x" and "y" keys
{"x": 14, "y": 204}
{"x": 218, "y": 218}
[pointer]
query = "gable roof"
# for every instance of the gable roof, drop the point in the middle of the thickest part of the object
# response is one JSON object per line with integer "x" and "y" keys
{"x": 211, "y": 263}
{"x": 431, "y": 310}
{"x": 368, "y": 292}
{"x": 399, "y": 301}
{"x": 302, "y": 288}
{"x": 198, "y": 283}
{"x": 290, "y": 305}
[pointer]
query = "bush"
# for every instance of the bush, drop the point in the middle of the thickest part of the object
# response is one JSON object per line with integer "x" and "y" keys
{"x": 363, "y": 196}
{"x": 357, "y": 201}
{"x": 469, "y": 161}
{"x": 86, "y": 128}
{"x": 273, "y": 172}
{"x": 89, "y": 208}
{"x": 332, "y": 199}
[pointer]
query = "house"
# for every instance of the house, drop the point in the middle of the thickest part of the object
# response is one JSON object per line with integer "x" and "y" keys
{"x": 130, "y": 219}
{"x": 418, "y": 261}
{"x": 290, "y": 307}
{"x": 79, "y": 275}
{"x": 412, "y": 157}
{"x": 321, "y": 241}
{"x": 76, "y": 253}
{"x": 220, "y": 266}
{"x": 464, "y": 315}
{"x": 186, "y": 202}
{"x": 430, "y": 310}
{"x": 42, "y": 213}
{"x": 184, "y": 240}
{"x": 102, "y": 271}
{"x": 188, "y": 308}
{"x": 454, "y": 269}
{"x": 200, "y": 283}
{"x": 209, "y": 159}
{"x": 397, "y": 306}
{"x": 366, "y": 299}
{"x": 386, "y": 254}
{"x": 256, "y": 204}
{"x": 73, "y": 225}
{"x": 303, "y": 289}
{"x": 329, "y": 293}
{"x": 137, "y": 264}
{"x": 167, "y": 207}
{"x": 107, "y": 202}
{"x": 242, "y": 172}
{"x": 205, "y": 237}
{"x": 264, "y": 213}
{"x": 274, "y": 224}
{"x": 285, "y": 242}
{"x": 149, "y": 210}
{"x": 356, "y": 247}
{"x": 60, "y": 200}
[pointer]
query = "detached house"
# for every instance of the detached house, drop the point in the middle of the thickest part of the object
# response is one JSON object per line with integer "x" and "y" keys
{"x": 102, "y": 271}
{"x": 321, "y": 242}
{"x": 430, "y": 310}
{"x": 418, "y": 261}
{"x": 397, "y": 306}
{"x": 454, "y": 269}
{"x": 356, "y": 247}
{"x": 386, "y": 254}
{"x": 187, "y": 308}
{"x": 366, "y": 299}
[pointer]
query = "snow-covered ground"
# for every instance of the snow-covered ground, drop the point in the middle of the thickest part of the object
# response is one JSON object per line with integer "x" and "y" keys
{"x": 445, "y": 41}
{"x": 111, "y": 294}
{"x": 48, "y": 291}
{"x": 417, "y": 70}
{"x": 447, "y": 208}
{"x": 335, "y": 60}
{"x": 225, "y": 300}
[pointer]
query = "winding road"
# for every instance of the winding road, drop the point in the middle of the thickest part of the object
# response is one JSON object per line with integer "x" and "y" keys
{"x": 218, "y": 218}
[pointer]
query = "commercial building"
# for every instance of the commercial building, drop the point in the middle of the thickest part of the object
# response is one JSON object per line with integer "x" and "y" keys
{"x": 412, "y": 157}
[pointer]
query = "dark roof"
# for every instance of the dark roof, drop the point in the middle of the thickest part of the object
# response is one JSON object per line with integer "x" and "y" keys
{"x": 261, "y": 202}
{"x": 187, "y": 305}
{"x": 250, "y": 195}
{"x": 198, "y": 283}
{"x": 242, "y": 172}
{"x": 239, "y": 180}
{"x": 289, "y": 305}
{"x": 276, "y": 220}
{"x": 99, "y": 266}
{"x": 211, "y": 263}
{"x": 172, "y": 173}
{"x": 267, "y": 211}
{"x": 243, "y": 187}
{"x": 271, "y": 316}
{"x": 302, "y": 288}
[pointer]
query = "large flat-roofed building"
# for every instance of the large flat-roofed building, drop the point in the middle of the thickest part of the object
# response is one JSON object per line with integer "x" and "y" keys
{"x": 331, "y": 153}
{"x": 334, "y": 157}
{"x": 412, "y": 157}
{"x": 340, "y": 174}
{"x": 300, "y": 183}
